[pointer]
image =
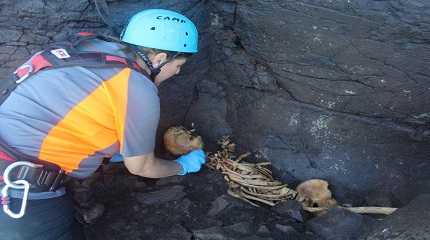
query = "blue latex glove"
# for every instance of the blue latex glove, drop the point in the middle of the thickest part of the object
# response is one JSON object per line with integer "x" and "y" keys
{"x": 116, "y": 158}
{"x": 192, "y": 161}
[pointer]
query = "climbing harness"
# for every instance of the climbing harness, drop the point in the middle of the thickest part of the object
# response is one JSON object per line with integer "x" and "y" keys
{"x": 25, "y": 173}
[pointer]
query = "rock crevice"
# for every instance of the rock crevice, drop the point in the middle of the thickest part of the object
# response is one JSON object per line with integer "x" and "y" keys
{"x": 324, "y": 89}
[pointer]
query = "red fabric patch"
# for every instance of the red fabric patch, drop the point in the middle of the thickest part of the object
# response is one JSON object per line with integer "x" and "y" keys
{"x": 5, "y": 156}
{"x": 116, "y": 59}
{"x": 39, "y": 62}
{"x": 85, "y": 34}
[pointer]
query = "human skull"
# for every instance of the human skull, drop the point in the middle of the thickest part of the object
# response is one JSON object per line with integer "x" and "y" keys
{"x": 315, "y": 193}
{"x": 179, "y": 140}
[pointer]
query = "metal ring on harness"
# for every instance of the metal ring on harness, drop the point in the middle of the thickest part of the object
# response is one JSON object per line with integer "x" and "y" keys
{"x": 9, "y": 168}
{"x": 26, "y": 186}
{"x": 18, "y": 184}
{"x": 29, "y": 71}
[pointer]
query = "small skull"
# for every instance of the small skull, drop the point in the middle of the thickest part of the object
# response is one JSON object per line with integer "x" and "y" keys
{"x": 179, "y": 140}
{"x": 315, "y": 193}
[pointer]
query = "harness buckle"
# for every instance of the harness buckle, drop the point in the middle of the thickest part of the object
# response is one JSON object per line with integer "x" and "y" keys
{"x": 18, "y": 185}
{"x": 27, "y": 69}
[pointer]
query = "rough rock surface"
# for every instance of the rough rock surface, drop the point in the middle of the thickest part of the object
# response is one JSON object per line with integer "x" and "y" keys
{"x": 327, "y": 89}
{"x": 337, "y": 90}
{"x": 199, "y": 209}
{"x": 167, "y": 194}
{"x": 410, "y": 222}
{"x": 340, "y": 224}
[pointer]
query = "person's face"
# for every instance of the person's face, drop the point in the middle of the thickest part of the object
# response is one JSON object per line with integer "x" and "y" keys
{"x": 169, "y": 70}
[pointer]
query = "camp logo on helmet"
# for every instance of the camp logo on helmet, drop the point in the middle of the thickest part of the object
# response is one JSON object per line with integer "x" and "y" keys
{"x": 171, "y": 19}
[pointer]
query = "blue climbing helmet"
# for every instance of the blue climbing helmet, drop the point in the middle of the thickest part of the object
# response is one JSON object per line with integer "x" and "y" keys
{"x": 162, "y": 29}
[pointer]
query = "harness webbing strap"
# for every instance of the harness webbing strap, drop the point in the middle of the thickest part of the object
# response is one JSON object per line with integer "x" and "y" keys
{"x": 116, "y": 59}
{"x": 46, "y": 60}
{"x": 4, "y": 156}
{"x": 85, "y": 34}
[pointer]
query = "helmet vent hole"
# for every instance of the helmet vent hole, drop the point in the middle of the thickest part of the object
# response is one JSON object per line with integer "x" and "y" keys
{"x": 186, "y": 33}
{"x": 185, "y": 45}
{"x": 153, "y": 28}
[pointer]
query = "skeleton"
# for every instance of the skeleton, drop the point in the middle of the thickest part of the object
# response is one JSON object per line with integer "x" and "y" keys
{"x": 253, "y": 182}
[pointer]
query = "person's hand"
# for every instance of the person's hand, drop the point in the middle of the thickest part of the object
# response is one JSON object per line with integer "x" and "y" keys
{"x": 192, "y": 161}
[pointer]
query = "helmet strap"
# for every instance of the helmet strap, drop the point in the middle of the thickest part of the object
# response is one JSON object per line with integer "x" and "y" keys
{"x": 145, "y": 59}
{"x": 157, "y": 70}
{"x": 154, "y": 71}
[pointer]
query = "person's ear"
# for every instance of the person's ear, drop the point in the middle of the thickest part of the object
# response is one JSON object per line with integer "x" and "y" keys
{"x": 159, "y": 59}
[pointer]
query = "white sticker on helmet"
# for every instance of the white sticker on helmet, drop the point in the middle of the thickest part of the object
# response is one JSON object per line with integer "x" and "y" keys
{"x": 60, "y": 53}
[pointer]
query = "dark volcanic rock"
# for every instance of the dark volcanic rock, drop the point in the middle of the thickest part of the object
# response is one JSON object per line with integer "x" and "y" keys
{"x": 240, "y": 228}
{"x": 379, "y": 198}
{"x": 176, "y": 232}
{"x": 323, "y": 89}
{"x": 164, "y": 195}
{"x": 337, "y": 90}
{"x": 292, "y": 209}
{"x": 339, "y": 224}
{"x": 319, "y": 80}
{"x": 255, "y": 238}
{"x": 263, "y": 230}
{"x": 213, "y": 233}
{"x": 409, "y": 222}
{"x": 412, "y": 189}
{"x": 288, "y": 232}
{"x": 169, "y": 180}
{"x": 218, "y": 205}
{"x": 238, "y": 231}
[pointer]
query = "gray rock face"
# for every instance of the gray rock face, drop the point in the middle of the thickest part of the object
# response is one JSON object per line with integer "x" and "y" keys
{"x": 337, "y": 90}
{"x": 292, "y": 209}
{"x": 177, "y": 232}
{"x": 409, "y": 222}
{"x": 328, "y": 89}
{"x": 242, "y": 231}
{"x": 213, "y": 233}
{"x": 240, "y": 228}
{"x": 218, "y": 205}
{"x": 339, "y": 224}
